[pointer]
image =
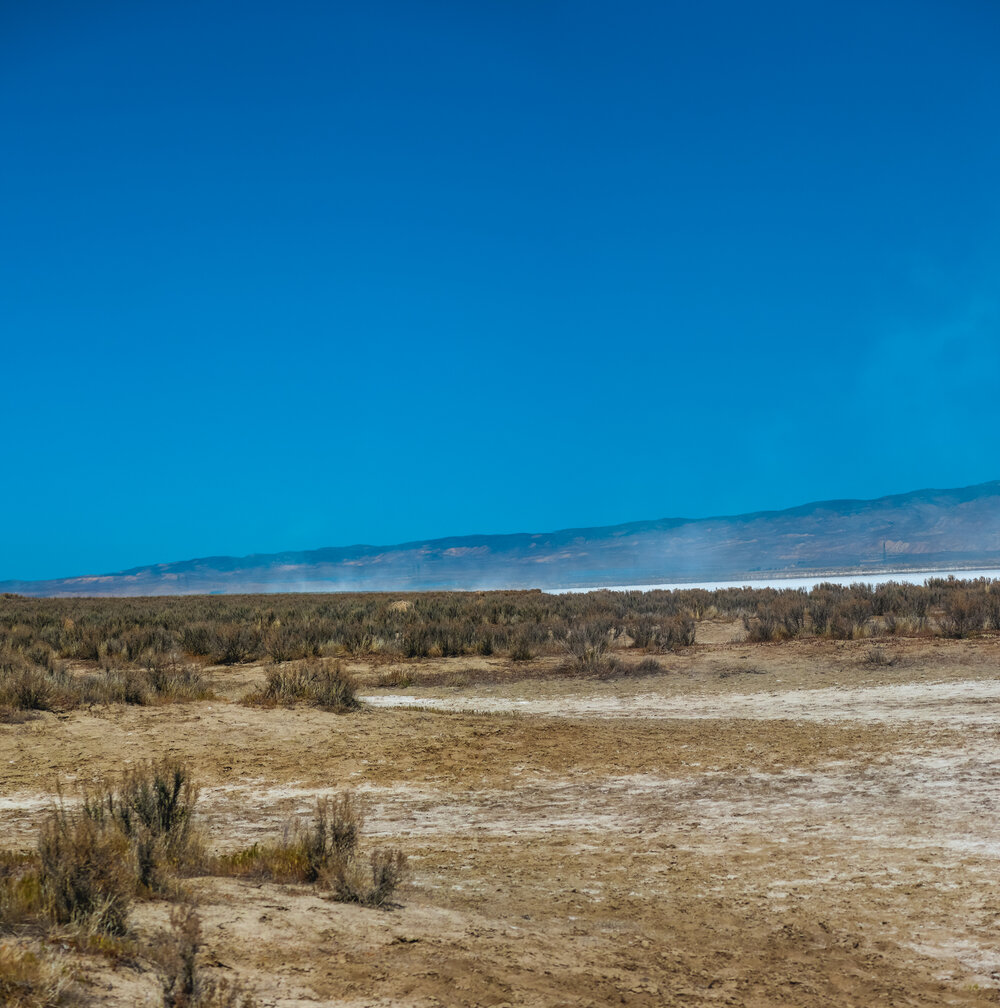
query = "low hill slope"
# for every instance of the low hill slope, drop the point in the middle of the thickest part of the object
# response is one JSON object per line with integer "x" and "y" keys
{"x": 925, "y": 529}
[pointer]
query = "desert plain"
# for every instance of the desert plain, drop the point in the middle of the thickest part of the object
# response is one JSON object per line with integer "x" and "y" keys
{"x": 812, "y": 822}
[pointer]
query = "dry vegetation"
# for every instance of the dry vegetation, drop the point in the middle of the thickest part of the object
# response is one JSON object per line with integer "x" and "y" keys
{"x": 57, "y": 654}
{"x": 134, "y": 838}
{"x": 259, "y": 700}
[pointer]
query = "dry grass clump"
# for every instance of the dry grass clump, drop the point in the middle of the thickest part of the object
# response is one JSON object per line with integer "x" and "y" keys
{"x": 307, "y": 850}
{"x": 325, "y": 851}
{"x": 28, "y": 686}
{"x": 10, "y": 715}
{"x": 21, "y": 899}
{"x": 30, "y": 980}
{"x": 729, "y": 671}
{"x": 156, "y": 683}
{"x": 396, "y": 678}
{"x": 648, "y": 666}
{"x": 588, "y": 642}
{"x": 880, "y": 657}
{"x": 318, "y": 683}
{"x": 182, "y": 980}
{"x": 521, "y": 650}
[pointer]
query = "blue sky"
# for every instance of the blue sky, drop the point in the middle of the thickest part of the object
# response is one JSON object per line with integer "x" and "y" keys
{"x": 289, "y": 276}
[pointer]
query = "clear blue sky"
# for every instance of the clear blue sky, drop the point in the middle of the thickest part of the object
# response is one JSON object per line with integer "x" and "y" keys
{"x": 281, "y": 276}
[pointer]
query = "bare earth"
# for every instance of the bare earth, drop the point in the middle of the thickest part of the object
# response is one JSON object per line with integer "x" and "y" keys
{"x": 759, "y": 825}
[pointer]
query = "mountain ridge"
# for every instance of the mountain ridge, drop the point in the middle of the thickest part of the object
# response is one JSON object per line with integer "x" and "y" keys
{"x": 930, "y": 527}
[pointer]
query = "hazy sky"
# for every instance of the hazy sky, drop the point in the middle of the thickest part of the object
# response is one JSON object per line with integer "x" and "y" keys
{"x": 279, "y": 276}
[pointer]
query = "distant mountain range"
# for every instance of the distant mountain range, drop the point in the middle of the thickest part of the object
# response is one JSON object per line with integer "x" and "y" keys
{"x": 923, "y": 530}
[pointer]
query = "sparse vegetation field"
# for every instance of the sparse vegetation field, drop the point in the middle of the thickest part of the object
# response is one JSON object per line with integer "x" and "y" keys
{"x": 759, "y": 798}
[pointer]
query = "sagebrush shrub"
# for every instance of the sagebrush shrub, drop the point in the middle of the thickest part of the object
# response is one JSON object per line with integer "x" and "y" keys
{"x": 86, "y": 871}
{"x": 153, "y": 807}
{"x": 313, "y": 681}
{"x": 325, "y": 851}
{"x": 371, "y": 882}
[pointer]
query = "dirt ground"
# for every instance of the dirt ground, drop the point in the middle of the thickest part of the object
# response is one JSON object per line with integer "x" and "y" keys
{"x": 805, "y": 823}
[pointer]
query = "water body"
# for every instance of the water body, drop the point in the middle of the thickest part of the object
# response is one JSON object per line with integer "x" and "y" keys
{"x": 806, "y": 583}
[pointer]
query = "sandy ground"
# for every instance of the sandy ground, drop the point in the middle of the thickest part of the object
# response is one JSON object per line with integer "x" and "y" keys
{"x": 758, "y": 825}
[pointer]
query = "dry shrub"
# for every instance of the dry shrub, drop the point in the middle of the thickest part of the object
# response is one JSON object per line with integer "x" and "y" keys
{"x": 86, "y": 874}
{"x": 397, "y": 678}
{"x": 125, "y": 839}
{"x": 25, "y": 686}
{"x": 183, "y": 983}
{"x": 153, "y": 808}
{"x": 238, "y": 642}
{"x": 10, "y": 715}
{"x": 307, "y": 850}
{"x": 33, "y": 682}
{"x": 728, "y": 671}
{"x": 677, "y": 632}
{"x": 521, "y": 650}
{"x": 609, "y": 667}
{"x": 649, "y": 666}
{"x": 127, "y": 686}
{"x": 324, "y": 851}
{"x": 374, "y": 884}
{"x": 30, "y": 980}
{"x": 172, "y": 682}
{"x": 22, "y": 901}
{"x": 313, "y": 681}
{"x": 879, "y": 657}
{"x": 588, "y": 641}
